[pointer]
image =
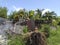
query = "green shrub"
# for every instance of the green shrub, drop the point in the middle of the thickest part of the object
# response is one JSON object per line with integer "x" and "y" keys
{"x": 46, "y": 30}
{"x": 16, "y": 40}
{"x": 25, "y": 30}
{"x": 54, "y": 38}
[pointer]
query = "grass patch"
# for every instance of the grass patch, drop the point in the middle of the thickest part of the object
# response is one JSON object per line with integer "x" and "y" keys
{"x": 54, "y": 38}
{"x": 16, "y": 40}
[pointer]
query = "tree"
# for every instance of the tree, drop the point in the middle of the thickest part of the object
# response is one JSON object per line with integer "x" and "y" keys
{"x": 3, "y": 12}
{"x": 31, "y": 13}
{"x": 50, "y": 16}
{"x": 21, "y": 13}
{"x": 38, "y": 14}
{"x": 12, "y": 15}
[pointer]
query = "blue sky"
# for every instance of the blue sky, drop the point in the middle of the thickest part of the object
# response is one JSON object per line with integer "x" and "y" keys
{"x": 53, "y": 5}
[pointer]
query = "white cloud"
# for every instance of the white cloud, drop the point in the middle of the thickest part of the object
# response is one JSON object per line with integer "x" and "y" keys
{"x": 46, "y": 10}
{"x": 17, "y": 9}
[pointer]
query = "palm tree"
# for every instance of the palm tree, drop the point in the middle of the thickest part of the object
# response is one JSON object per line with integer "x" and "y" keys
{"x": 20, "y": 13}
{"x": 31, "y": 13}
{"x": 38, "y": 14}
{"x": 12, "y": 15}
{"x": 50, "y": 16}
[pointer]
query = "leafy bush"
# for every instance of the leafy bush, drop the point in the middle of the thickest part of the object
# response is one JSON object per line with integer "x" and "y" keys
{"x": 25, "y": 30}
{"x": 16, "y": 40}
{"x": 46, "y": 30}
{"x": 54, "y": 38}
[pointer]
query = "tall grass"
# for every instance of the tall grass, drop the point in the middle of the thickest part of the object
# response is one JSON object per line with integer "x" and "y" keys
{"x": 54, "y": 38}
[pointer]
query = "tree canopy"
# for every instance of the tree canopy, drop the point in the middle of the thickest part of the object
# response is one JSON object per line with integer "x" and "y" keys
{"x": 3, "y": 12}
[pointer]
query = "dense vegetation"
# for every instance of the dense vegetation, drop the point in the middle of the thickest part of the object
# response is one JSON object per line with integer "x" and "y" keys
{"x": 3, "y": 12}
{"x": 52, "y": 19}
{"x": 53, "y": 39}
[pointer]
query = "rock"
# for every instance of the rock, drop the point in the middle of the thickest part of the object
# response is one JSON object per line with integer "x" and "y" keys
{"x": 3, "y": 40}
{"x": 2, "y": 21}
